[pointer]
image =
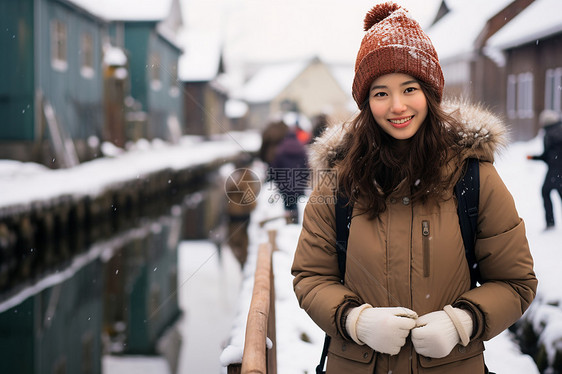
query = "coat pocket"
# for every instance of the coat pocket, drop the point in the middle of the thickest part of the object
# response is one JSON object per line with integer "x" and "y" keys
{"x": 458, "y": 355}
{"x": 346, "y": 356}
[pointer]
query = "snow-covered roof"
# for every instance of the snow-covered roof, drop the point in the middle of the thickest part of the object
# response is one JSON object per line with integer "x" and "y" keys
{"x": 136, "y": 10}
{"x": 454, "y": 35}
{"x": 271, "y": 80}
{"x": 200, "y": 61}
{"x": 540, "y": 19}
{"x": 126, "y": 10}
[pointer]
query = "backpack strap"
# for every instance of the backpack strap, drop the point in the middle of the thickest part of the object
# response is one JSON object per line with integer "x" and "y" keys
{"x": 343, "y": 220}
{"x": 320, "y": 366}
{"x": 467, "y": 191}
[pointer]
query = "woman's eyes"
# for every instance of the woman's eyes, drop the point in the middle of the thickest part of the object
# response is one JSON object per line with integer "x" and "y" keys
{"x": 407, "y": 90}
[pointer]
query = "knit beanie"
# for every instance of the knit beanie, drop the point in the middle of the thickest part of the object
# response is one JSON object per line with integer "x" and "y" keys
{"x": 394, "y": 43}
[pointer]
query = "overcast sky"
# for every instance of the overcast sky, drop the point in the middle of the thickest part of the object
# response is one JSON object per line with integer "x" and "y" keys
{"x": 274, "y": 30}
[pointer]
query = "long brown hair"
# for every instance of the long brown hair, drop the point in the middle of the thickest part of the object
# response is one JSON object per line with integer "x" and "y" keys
{"x": 372, "y": 163}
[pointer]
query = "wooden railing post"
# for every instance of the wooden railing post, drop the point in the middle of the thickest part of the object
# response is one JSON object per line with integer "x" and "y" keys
{"x": 271, "y": 234}
{"x": 254, "y": 359}
{"x": 271, "y": 332}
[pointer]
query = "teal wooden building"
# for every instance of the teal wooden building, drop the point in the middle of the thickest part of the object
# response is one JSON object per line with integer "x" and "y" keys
{"x": 147, "y": 31}
{"x": 61, "y": 95}
{"x": 51, "y": 76}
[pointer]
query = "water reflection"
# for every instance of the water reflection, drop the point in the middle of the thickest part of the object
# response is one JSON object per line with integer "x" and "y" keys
{"x": 119, "y": 297}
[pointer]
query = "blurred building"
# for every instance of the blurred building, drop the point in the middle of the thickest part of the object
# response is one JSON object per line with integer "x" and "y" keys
{"x": 77, "y": 73}
{"x": 309, "y": 87}
{"x": 528, "y": 55}
{"x": 505, "y": 54}
{"x": 204, "y": 93}
{"x": 148, "y": 33}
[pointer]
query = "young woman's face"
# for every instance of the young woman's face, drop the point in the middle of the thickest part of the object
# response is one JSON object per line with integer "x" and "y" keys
{"x": 398, "y": 104}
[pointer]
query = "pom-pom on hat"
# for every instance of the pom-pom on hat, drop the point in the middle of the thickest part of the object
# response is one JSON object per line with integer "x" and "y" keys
{"x": 394, "y": 43}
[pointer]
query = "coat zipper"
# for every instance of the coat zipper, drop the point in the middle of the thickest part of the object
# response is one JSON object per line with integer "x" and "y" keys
{"x": 425, "y": 246}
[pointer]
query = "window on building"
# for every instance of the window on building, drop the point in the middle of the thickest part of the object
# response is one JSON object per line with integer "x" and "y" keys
{"x": 553, "y": 87}
{"x": 155, "y": 72}
{"x": 525, "y": 95}
{"x": 87, "y": 55}
{"x": 155, "y": 299}
{"x": 59, "y": 58}
{"x": 511, "y": 104}
{"x": 174, "y": 84}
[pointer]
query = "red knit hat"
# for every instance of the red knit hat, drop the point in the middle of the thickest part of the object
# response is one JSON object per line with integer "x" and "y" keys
{"x": 394, "y": 43}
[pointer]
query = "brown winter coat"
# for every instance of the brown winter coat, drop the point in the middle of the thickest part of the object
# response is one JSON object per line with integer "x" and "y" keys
{"x": 391, "y": 263}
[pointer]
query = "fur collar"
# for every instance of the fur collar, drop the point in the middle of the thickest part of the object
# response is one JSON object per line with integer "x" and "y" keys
{"x": 484, "y": 134}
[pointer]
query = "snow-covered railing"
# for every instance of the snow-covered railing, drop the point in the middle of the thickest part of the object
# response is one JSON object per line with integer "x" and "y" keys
{"x": 259, "y": 354}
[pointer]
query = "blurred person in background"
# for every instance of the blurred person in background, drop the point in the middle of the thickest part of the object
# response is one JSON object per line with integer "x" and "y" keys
{"x": 242, "y": 188}
{"x": 289, "y": 171}
{"x": 272, "y": 136}
{"x": 319, "y": 124}
{"x": 551, "y": 122}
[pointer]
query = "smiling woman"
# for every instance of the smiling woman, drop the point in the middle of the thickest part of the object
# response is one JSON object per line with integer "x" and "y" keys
{"x": 403, "y": 301}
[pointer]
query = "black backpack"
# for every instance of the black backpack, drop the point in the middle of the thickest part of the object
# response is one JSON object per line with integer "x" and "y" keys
{"x": 467, "y": 191}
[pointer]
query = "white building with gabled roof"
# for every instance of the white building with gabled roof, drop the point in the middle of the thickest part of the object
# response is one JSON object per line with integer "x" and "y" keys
{"x": 309, "y": 87}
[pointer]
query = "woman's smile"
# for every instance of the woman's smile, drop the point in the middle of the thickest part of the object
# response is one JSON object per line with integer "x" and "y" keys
{"x": 401, "y": 122}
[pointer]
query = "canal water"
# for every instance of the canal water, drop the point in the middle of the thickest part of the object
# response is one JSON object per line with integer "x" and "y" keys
{"x": 209, "y": 298}
{"x": 161, "y": 290}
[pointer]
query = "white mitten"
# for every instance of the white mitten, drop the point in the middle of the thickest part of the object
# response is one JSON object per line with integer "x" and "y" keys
{"x": 383, "y": 329}
{"x": 437, "y": 333}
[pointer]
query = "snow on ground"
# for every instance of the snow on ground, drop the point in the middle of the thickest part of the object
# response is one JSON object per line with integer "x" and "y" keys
{"x": 137, "y": 365}
{"x": 299, "y": 340}
{"x": 19, "y": 181}
{"x": 208, "y": 295}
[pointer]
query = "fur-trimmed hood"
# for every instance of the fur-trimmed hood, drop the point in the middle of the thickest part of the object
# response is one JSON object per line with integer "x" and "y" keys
{"x": 484, "y": 134}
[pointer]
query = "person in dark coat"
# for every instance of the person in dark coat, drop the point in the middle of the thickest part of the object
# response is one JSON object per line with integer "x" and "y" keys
{"x": 551, "y": 121}
{"x": 272, "y": 136}
{"x": 320, "y": 122}
{"x": 289, "y": 171}
{"x": 242, "y": 188}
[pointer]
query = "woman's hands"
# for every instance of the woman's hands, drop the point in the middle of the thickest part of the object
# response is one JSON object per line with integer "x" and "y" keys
{"x": 385, "y": 329}
{"x": 437, "y": 333}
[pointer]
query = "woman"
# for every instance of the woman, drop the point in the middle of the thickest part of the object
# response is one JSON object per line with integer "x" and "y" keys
{"x": 405, "y": 305}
